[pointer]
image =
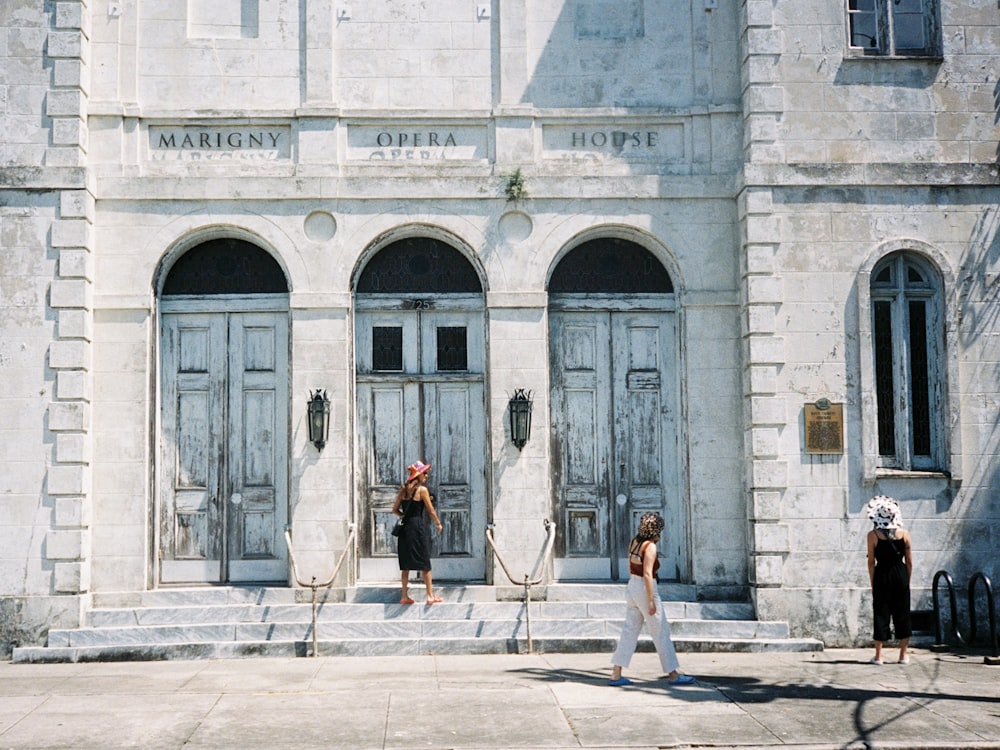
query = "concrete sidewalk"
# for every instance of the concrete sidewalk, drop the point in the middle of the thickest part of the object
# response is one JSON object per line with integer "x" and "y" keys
{"x": 829, "y": 699}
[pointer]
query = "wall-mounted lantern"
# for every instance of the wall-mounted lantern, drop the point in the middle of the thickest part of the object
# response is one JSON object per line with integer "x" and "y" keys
{"x": 319, "y": 418}
{"x": 520, "y": 417}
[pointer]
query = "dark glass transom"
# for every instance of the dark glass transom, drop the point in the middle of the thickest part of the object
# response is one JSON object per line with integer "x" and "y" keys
{"x": 452, "y": 349}
{"x": 225, "y": 266}
{"x": 610, "y": 266}
{"x": 387, "y": 348}
{"x": 421, "y": 265}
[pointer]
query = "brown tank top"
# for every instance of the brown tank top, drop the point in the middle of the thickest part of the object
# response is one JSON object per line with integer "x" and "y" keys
{"x": 635, "y": 568}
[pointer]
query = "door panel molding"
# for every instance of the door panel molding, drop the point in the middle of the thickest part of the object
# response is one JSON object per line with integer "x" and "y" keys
{"x": 614, "y": 405}
{"x": 224, "y": 431}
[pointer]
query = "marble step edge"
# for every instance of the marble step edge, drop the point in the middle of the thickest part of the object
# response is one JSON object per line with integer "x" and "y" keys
{"x": 399, "y": 629}
{"x": 406, "y": 647}
{"x": 372, "y": 611}
{"x": 374, "y": 593}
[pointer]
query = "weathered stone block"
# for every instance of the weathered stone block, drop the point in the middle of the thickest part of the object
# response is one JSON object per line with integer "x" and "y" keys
{"x": 72, "y": 385}
{"x": 68, "y": 416}
{"x": 770, "y": 537}
{"x": 68, "y": 479}
{"x": 72, "y": 354}
{"x": 72, "y": 511}
{"x": 71, "y": 577}
{"x": 769, "y": 473}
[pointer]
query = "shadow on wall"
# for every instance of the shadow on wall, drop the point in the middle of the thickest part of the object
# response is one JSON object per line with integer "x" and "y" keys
{"x": 973, "y": 535}
{"x": 595, "y": 48}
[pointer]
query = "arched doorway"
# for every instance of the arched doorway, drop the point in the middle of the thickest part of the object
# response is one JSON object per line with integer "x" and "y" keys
{"x": 223, "y": 435}
{"x": 615, "y": 404}
{"x": 420, "y": 369}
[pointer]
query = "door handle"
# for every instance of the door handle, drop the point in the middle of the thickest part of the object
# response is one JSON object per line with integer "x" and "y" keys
{"x": 236, "y": 499}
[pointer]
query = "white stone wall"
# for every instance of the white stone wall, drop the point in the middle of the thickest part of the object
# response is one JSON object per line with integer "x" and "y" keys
{"x": 838, "y": 108}
{"x": 849, "y": 158}
{"x": 44, "y": 324}
{"x": 763, "y": 161}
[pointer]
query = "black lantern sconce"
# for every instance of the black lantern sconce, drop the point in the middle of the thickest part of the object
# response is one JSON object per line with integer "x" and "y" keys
{"x": 319, "y": 418}
{"x": 520, "y": 417}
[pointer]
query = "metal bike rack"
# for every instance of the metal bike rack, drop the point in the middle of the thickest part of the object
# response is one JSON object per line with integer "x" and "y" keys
{"x": 939, "y": 644}
{"x": 312, "y": 584}
{"x": 529, "y": 580}
{"x": 981, "y": 576}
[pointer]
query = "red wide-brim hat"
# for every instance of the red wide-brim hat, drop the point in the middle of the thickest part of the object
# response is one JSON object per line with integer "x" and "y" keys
{"x": 417, "y": 469}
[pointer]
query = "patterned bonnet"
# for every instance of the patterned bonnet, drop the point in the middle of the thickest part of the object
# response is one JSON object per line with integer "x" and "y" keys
{"x": 884, "y": 512}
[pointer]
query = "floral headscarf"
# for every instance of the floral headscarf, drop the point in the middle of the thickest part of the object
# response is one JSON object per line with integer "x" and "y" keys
{"x": 884, "y": 513}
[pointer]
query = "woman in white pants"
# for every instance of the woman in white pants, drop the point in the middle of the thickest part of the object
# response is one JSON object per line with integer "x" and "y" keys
{"x": 642, "y": 604}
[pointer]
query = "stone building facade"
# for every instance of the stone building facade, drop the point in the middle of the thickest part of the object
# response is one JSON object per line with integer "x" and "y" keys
{"x": 740, "y": 253}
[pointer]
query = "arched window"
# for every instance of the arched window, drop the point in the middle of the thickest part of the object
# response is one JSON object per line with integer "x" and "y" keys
{"x": 419, "y": 265}
{"x": 908, "y": 357}
{"x": 225, "y": 266}
{"x": 611, "y": 266}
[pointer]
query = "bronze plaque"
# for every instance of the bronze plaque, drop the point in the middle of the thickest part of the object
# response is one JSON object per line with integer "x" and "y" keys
{"x": 824, "y": 427}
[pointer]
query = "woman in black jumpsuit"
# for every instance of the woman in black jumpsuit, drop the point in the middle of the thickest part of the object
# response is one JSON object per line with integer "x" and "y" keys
{"x": 890, "y": 564}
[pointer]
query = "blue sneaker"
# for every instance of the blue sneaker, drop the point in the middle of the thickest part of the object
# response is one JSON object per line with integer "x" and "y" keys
{"x": 683, "y": 679}
{"x": 620, "y": 682}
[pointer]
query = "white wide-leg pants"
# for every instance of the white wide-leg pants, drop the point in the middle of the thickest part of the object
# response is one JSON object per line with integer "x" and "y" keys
{"x": 637, "y": 613}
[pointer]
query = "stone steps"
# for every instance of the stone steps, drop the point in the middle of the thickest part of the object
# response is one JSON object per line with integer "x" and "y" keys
{"x": 229, "y": 622}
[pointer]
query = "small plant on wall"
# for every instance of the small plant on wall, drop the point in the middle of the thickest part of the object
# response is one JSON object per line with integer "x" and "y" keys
{"x": 514, "y": 187}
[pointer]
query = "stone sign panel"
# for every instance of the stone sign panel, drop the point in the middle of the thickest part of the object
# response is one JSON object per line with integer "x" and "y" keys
{"x": 220, "y": 142}
{"x": 633, "y": 142}
{"x": 406, "y": 143}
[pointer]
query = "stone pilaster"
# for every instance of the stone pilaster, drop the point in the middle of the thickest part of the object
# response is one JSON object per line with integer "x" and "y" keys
{"x": 71, "y": 300}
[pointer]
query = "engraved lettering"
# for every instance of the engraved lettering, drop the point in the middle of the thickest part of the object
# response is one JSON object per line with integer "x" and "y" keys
{"x": 651, "y": 138}
{"x": 234, "y": 140}
{"x": 187, "y": 143}
{"x": 599, "y": 139}
{"x": 167, "y": 142}
{"x": 256, "y": 139}
{"x": 274, "y": 138}
{"x": 432, "y": 139}
{"x": 579, "y": 139}
{"x": 383, "y": 140}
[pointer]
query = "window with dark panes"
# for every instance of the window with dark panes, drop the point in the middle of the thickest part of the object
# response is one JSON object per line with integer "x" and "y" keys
{"x": 908, "y": 356}
{"x": 387, "y": 348}
{"x": 904, "y": 28}
{"x": 452, "y": 349}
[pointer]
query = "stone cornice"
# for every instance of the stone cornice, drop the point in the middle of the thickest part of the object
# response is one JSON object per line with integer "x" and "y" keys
{"x": 43, "y": 178}
{"x": 870, "y": 175}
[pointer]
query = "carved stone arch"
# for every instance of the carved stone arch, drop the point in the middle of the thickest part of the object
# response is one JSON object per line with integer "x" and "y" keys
{"x": 418, "y": 259}
{"x": 931, "y": 254}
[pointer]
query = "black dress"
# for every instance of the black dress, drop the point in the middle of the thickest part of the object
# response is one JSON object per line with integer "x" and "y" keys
{"x": 891, "y": 590}
{"x": 413, "y": 543}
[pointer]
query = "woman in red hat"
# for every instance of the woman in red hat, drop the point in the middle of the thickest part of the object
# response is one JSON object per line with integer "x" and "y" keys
{"x": 413, "y": 544}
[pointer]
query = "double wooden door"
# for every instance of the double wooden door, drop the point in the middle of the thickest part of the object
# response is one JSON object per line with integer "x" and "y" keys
{"x": 614, "y": 414}
{"x": 421, "y": 396}
{"x": 223, "y": 446}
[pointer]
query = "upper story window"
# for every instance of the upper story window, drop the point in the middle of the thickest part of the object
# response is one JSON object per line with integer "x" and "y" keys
{"x": 887, "y": 28}
{"x": 909, "y": 360}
